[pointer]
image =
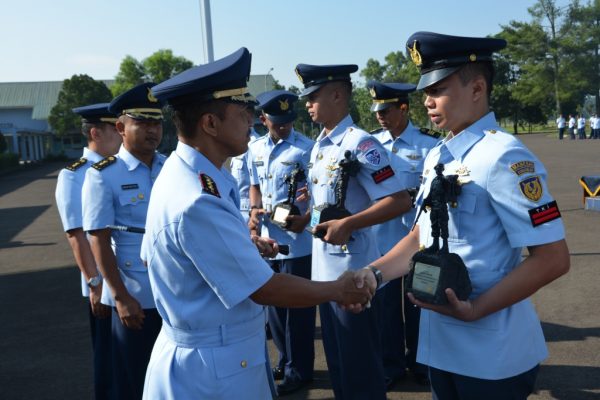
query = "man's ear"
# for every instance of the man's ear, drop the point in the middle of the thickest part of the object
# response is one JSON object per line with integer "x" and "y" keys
{"x": 263, "y": 119}
{"x": 479, "y": 88}
{"x": 94, "y": 134}
{"x": 209, "y": 124}
{"x": 120, "y": 125}
{"x": 404, "y": 107}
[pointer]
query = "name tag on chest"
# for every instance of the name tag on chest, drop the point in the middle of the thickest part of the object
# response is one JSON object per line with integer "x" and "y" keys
{"x": 130, "y": 186}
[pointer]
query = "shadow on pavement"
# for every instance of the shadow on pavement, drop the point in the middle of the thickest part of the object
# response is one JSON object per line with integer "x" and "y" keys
{"x": 568, "y": 382}
{"x": 12, "y": 181}
{"x": 560, "y": 333}
{"x": 18, "y": 218}
{"x": 45, "y": 345}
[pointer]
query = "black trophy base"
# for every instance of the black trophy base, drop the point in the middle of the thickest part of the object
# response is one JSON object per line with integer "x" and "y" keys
{"x": 281, "y": 212}
{"x": 326, "y": 212}
{"x": 432, "y": 273}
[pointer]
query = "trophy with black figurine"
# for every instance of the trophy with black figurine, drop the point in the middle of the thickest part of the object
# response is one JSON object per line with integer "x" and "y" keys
{"x": 282, "y": 210}
{"x": 348, "y": 167}
{"x": 434, "y": 269}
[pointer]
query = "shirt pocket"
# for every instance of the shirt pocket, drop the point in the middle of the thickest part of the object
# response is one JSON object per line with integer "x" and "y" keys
{"x": 238, "y": 357}
{"x": 460, "y": 216}
{"x": 134, "y": 207}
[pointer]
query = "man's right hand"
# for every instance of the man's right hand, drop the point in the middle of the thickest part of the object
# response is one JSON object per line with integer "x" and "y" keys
{"x": 130, "y": 312}
{"x": 98, "y": 309}
{"x": 351, "y": 293}
{"x": 255, "y": 216}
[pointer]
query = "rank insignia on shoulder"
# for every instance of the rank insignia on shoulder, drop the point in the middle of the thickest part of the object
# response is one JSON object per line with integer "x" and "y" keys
{"x": 545, "y": 213}
{"x": 100, "y": 165}
{"x": 77, "y": 164}
{"x": 382, "y": 174}
{"x": 209, "y": 185}
{"x": 523, "y": 167}
{"x": 532, "y": 188}
{"x": 492, "y": 131}
{"x": 429, "y": 132}
{"x": 374, "y": 131}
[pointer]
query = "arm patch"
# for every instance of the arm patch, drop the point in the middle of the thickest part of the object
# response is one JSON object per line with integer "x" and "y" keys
{"x": 382, "y": 174}
{"x": 545, "y": 213}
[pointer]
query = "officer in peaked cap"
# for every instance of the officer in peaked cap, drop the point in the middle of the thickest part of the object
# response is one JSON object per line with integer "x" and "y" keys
{"x": 103, "y": 140}
{"x": 116, "y": 192}
{"x": 208, "y": 279}
{"x": 504, "y": 205}
{"x": 316, "y": 76}
{"x": 352, "y": 342}
{"x": 407, "y": 147}
{"x": 273, "y": 160}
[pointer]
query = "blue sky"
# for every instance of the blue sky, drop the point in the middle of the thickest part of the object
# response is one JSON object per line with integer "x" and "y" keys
{"x": 52, "y": 40}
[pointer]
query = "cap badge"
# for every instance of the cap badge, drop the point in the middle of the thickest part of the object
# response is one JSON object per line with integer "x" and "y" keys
{"x": 299, "y": 76}
{"x": 415, "y": 55}
{"x": 151, "y": 98}
{"x": 372, "y": 92}
{"x": 472, "y": 58}
{"x": 284, "y": 105}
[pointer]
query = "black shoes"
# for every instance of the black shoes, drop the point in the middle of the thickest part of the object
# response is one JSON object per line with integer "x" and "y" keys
{"x": 288, "y": 387}
{"x": 278, "y": 373}
{"x": 421, "y": 378}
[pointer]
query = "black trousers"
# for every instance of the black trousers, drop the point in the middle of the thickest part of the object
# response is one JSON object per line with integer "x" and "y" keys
{"x": 293, "y": 329}
{"x": 131, "y": 350}
{"x": 101, "y": 338}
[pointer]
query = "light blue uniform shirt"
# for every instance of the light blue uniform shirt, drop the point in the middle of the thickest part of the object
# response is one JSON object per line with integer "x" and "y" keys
{"x": 270, "y": 164}
{"x": 68, "y": 199}
{"x": 203, "y": 267}
{"x": 119, "y": 195}
{"x": 488, "y": 230}
{"x": 241, "y": 174}
{"x": 374, "y": 181}
{"x": 407, "y": 153}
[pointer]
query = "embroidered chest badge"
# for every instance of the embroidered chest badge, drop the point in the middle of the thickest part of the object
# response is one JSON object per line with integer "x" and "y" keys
{"x": 532, "y": 188}
{"x": 209, "y": 185}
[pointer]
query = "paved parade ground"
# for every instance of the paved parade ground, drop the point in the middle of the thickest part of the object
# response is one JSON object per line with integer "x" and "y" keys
{"x": 45, "y": 350}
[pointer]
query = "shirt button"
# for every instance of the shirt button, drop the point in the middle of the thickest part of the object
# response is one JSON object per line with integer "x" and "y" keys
{"x": 344, "y": 247}
{"x": 270, "y": 176}
{"x": 133, "y": 199}
{"x": 243, "y": 364}
{"x": 128, "y": 263}
{"x": 141, "y": 196}
{"x": 315, "y": 181}
{"x": 394, "y": 150}
{"x": 422, "y": 247}
{"x": 320, "y": 156}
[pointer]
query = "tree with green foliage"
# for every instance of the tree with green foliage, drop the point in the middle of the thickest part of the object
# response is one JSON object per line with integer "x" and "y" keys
{"x": 79, "y": 90}
{"x": 158, "y": 67}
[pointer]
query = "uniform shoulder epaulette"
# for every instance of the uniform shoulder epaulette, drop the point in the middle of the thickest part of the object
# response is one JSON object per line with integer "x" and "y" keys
{"x": 77, "y": 164}
{"x": 100, "y": 165}
{"x": 374, "y": 131}
{"x": 209, "y": 185}
{"x": 429, "y": 132}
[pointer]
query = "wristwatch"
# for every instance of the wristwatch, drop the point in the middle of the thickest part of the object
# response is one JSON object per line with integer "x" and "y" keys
{"x": 377, "y": 273}
{"x": 252, "y": 208}
{"x": 94, "y": 281}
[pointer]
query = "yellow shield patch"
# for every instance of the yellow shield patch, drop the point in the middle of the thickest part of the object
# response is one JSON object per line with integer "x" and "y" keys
{"x": 532, "y": 188}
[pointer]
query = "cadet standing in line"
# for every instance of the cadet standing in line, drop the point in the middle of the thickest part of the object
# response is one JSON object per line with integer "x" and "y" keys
{"x": 581, "y": 127}
{"x": 103, "y": 140}
{"x": 352, "y": 342}
{"x": 407, "y": 147}
{"x": 272, "y": 160}
{"x": 490, "y": 346}
{"x": 239, "y": 164}
{"x": 116, "y": 192}
{"x": 561, "y": 123}
{"x": 208, "y": 279}
{"x": 572, "y": 124}
{"x": 595, "y": 127}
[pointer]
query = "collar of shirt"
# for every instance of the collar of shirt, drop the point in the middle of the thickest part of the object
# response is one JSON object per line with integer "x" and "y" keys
{"x": 407, "y": 135}
{"x": 290, "y": 139}
{"x": 91, "y": 155}
{"x": 459, "y": 144}
{"x": 200, "y": 164}
{"x": 132, "y": 162}
{"x": 338, "y": 133}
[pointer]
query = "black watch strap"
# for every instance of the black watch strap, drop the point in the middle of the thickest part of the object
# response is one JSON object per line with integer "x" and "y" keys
{"x": 377, "y": 273}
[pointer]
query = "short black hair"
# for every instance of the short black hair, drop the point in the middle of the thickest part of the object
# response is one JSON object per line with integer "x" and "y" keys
{"x": 468, "y": 72}
{"x": 187, "y": 115}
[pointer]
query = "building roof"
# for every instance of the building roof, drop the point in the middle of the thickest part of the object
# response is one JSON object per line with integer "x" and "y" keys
{"x": 42, "y": 96}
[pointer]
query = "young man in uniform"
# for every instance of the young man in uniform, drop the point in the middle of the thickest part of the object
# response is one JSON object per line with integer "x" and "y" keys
{"x": 489, "y": 346}
{"x": 352, "y": 342}
{"x": 116, "y": 192}
{"x": 208, "y": 279}
{"x": 561, "y": 123}
{"x": 103, "y": 140}
{"x": 272, "y": 161}
{"x": 407, "y": 147}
